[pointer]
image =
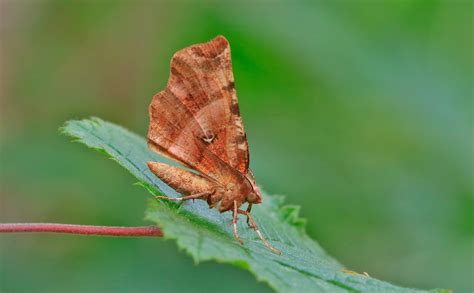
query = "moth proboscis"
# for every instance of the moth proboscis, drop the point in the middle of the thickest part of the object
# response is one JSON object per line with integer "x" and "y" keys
{"x": 196, "y": 121}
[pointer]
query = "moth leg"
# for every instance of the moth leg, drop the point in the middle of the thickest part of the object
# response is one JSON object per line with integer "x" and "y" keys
{"x": 234, "y": 222}
{"x": 254, "y": 226}
{"x": 188, "y": 197}
{"x": 249, "y": 208}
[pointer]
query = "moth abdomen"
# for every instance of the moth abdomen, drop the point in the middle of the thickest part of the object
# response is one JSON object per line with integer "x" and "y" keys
{"x": 183, "y": 181}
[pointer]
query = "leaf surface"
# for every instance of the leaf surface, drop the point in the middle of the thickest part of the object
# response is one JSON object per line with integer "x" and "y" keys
{"x": 206, "y": 234}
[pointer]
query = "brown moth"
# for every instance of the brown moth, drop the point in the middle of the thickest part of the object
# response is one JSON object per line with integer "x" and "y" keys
{"x": 196, "y": 121}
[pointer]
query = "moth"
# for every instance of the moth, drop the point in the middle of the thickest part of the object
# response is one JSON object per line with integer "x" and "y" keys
{"x": 196, "y": 121}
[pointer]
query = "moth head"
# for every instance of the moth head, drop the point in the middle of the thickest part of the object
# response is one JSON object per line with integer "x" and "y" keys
{"x": 255, "y": 196}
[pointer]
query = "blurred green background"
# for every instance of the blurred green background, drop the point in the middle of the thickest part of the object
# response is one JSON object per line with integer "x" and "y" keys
{"x": 360, "y": 112}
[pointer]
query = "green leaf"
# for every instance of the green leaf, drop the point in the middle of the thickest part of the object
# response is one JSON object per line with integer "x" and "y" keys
{"x": 205, "y": 234}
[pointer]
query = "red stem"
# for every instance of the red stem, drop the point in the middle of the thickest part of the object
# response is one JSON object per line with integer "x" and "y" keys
{"x": 81, "y": 229}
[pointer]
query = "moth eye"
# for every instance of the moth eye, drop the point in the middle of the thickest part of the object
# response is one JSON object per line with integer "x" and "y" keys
{"x": 208, "y": 137}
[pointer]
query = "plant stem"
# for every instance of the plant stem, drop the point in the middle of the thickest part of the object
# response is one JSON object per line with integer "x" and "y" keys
{"x": 81, "y": 229}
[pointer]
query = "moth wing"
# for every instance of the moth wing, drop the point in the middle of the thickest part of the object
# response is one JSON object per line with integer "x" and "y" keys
{"x": 174, "y": 133}
{"x": 202, "y": 80}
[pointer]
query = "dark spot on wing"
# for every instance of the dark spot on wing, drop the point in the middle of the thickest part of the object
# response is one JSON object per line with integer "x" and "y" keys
{"x": 234, "y": 108}
{"x": 229, "y": 87}
{"x": 241, "y": 139}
